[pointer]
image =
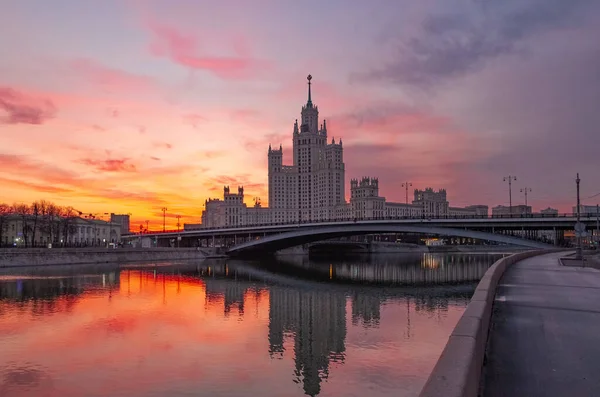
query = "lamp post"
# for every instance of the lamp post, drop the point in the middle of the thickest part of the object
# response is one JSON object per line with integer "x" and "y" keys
{"x": 178, "y": 236}
{"x": 526, "y": 190}
{"x": 406, "y": 185}
{"x": 164, "y": 210}
{"x": 578, "y": 253}
{"x": 598, "y": 224}
{"x": 510, "y": 180}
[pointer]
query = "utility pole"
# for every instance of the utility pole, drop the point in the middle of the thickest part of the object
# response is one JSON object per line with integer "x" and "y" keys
{"x": 578, "y": 253}
{"x": 406, "y": 185}
{"x": 525, "y": 190}
{"x": 510, "y": 180}
{"x": 164, "y": 210}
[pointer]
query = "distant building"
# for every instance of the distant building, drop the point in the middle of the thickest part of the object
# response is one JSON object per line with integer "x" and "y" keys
{"x": 231, "y": 211}
{"x": 122, "y": 220}
{"x": 501, "y": 210}
{"x": 365, "y": 202}
{"x": 586, "y": 209}
{"x": 549, "y": 211}
{"x": 480, "y": 210}
{"x": 434, "y": 204}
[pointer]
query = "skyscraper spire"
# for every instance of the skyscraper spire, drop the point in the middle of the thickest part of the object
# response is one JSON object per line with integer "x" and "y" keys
{"x": 309, "y": 103}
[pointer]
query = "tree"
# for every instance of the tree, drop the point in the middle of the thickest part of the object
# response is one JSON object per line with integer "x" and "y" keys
{"x": 24, "y": 212}
{"x": 50, "y": 212}
{"x": 5, "y": 211}
{"x": 68, "y": 216}
{"x": 35, "y": 210}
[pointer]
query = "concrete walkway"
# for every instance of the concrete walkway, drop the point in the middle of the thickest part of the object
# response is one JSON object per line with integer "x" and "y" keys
{"x": 545, "y": 334}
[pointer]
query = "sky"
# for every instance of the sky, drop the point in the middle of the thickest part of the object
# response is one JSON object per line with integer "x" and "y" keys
{"x": 129, "y": 106}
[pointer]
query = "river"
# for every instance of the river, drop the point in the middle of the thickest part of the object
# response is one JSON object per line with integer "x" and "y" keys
{"x": 290, "y": 327}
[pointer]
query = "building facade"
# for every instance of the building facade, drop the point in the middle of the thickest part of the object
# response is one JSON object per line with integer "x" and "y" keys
{"x": 312, "y": 188}
{"x": 231, "y": 211}
{"x": 502, "y": 210}
{"x": 19, "y": 231}
{"x": 587, "y": 209}
{"x": 123, "y": 220}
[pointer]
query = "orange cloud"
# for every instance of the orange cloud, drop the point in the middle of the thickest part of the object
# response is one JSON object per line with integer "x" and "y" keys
{"x": 24, "y": 109}
{"x": 110, "y": 165}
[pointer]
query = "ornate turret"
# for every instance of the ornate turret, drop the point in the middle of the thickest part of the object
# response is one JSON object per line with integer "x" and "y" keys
{"x": 310, "y": 113}
{"x": 309, "y": 103}
{"x": 296, "y": 130}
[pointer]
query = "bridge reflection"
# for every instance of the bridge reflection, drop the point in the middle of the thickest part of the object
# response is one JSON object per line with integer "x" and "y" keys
{"x": 407, "y": 269}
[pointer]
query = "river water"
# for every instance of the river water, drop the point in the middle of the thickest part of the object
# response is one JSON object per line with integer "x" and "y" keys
{"x": 368, "y": 326}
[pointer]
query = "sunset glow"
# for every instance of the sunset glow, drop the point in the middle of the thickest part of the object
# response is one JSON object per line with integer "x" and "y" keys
{"x": 131, "y": 106}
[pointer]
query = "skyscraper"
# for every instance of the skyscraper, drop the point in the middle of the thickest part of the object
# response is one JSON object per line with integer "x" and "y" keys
{"x": 313, "y": 186}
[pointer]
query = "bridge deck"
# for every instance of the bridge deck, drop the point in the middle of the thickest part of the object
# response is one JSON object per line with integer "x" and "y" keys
{"x": 544, "y": 334}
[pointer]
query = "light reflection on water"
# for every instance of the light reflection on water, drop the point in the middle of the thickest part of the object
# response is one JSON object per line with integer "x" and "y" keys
{"x": 225, "y": 329}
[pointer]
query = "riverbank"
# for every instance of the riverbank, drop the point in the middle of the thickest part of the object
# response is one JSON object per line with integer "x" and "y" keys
{"x": 12, "y": 257}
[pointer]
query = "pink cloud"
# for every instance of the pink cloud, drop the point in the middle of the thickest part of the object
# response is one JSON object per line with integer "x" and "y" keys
{"x": 193, "y": 119}
{"x": 97, "y": 73}
{"x": 183, "y": 49}
{"x": 21, "y": 108}
{"x": 163, "y": 145}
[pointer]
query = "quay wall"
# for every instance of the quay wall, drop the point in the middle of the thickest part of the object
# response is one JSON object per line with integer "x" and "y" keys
{"x": 21, "y": 257}
{"x": 457, "y": 372}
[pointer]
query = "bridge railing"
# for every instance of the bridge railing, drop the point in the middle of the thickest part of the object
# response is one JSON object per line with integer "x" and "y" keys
{"x": 587, "y": 216}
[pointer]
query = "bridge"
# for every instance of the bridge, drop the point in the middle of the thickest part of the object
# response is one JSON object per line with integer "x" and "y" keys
{"x": 521, "y": 230}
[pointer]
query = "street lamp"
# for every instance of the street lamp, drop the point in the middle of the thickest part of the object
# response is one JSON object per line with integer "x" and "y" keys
{"x": 178, "y": 236}
{"x": 164, "y": 210}
{"x": 578, "y": 253}
{"x": 406, "y": 185}
{"x": 510, "y": 180}
{"x": 525, "y": 190}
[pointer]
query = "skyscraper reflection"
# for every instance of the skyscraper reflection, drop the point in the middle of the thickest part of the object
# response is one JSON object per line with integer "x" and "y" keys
{"x": 316, "y": 320}
{"x": 366, "y": 309}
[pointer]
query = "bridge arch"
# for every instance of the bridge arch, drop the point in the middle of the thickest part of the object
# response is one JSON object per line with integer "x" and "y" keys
{"x": 304, "y": 236}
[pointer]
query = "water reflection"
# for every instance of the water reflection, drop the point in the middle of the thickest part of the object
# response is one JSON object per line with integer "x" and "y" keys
{"x": 216, "y": 329}
{"x": 407, "y": 269}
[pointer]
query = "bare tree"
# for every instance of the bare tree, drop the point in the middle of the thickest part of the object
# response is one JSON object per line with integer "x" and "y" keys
{"x": 35, "y": 210}
{"x": 5, "y": 211}
{"x": 68, "y": 216}
{"x": 50, "y": 212}
{"x": 24, "y": 211}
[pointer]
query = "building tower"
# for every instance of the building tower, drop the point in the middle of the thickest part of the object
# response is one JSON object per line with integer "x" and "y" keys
{"x": 319, "y": 166}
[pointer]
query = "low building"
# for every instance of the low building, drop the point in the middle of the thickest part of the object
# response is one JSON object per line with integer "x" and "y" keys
{"x": 402, "y": 210}
{"x": 479, "y": 209}
{"x": 502, "y": 210}
{"x": 60, "y": 231}
{"x": 587, "y": 210}
{"x": 549, "y": 212}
